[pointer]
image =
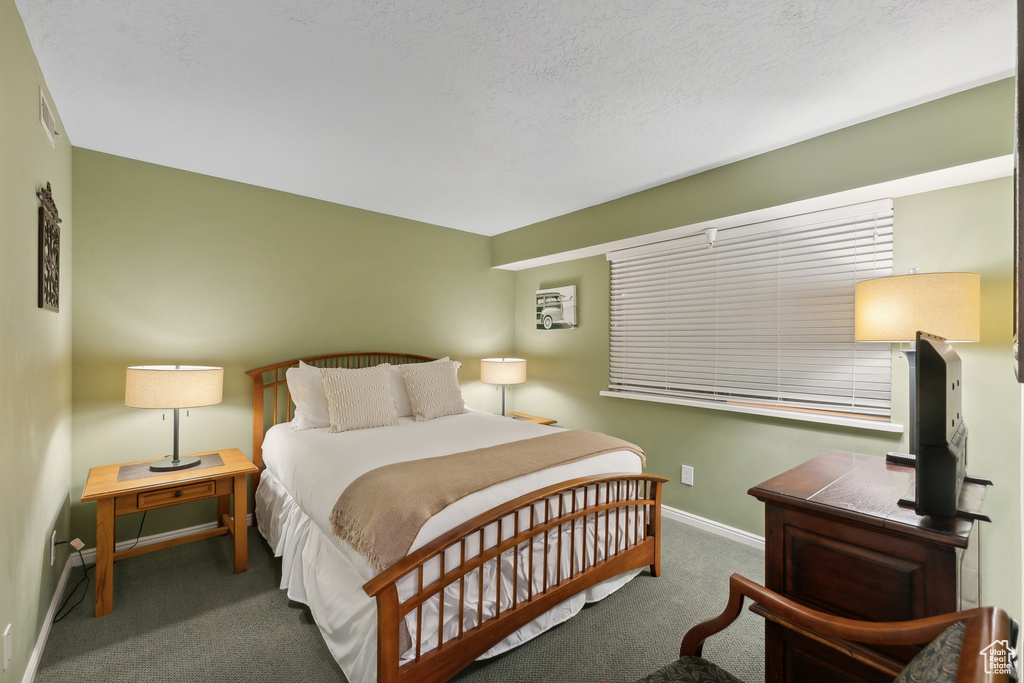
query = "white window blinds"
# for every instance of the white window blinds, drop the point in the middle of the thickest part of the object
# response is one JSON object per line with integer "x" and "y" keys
{"x": 764, "y": 318}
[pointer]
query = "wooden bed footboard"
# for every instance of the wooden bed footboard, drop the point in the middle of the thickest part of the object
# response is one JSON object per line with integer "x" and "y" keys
{"x": 549, "y": 545}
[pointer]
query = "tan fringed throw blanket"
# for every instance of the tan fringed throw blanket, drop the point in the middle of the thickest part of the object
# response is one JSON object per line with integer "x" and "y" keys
{"x": 381, "y": 512}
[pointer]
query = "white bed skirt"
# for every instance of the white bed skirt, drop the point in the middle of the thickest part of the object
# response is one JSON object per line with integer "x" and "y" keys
{"x": 315, "y": 572}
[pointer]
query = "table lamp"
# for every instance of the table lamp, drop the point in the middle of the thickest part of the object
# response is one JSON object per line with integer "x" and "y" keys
{"x": 167, "y": 387}
{"x": 893, "y": 309}
{"x": 503, "y": 371}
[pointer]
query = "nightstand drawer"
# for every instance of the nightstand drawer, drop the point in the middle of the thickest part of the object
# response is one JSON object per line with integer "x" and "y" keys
{"x": 177, "y": 494}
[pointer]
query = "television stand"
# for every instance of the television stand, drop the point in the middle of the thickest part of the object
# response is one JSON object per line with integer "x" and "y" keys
{"x": 836, "y": 540}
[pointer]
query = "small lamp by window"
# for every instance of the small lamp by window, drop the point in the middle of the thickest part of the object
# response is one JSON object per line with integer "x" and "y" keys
{"x": 503, "y": 371}
{"x": 167, "y": 387}
{"x": 893, "y": 309}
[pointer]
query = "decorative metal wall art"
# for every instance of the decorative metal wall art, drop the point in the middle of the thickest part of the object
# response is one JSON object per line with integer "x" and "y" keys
{"x": 49, "y": 251}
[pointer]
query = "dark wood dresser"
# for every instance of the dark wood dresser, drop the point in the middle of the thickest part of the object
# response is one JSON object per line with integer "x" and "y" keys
{"x": 836, "y": 540}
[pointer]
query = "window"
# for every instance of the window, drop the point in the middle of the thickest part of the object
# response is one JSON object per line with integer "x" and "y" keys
{"x": 762, "y": 321}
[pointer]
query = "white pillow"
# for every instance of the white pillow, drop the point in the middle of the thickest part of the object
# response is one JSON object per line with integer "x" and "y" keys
{"x": 307, "y": 391}
{"x": 359, "y": 398}
{"x": 398, "y": 391}
{"x": 434, "y": 389}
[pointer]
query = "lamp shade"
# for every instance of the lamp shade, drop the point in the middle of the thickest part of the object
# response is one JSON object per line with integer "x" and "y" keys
{"x": 170, "y": 386}
{"x": 894, "y": 309}
{"x": 503, "y": 370}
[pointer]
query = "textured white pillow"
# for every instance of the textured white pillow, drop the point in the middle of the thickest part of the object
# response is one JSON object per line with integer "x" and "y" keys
{"x": 398, "y": 391}
{"x": 307, "y": 391}
{"x": 359, "y": 398}
{"x": 433, "y": 389}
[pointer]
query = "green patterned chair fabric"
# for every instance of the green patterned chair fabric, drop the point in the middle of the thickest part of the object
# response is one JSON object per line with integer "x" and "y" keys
{"x": 691, "y": 670}
{"x": 937, "y": 662}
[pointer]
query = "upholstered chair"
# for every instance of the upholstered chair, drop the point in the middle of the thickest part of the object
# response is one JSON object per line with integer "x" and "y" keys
{"x": 957, "y": 647}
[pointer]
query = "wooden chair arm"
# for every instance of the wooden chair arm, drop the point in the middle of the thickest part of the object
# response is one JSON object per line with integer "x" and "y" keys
{"x": 693, "y": 641}
{"x": 983, "y": 626}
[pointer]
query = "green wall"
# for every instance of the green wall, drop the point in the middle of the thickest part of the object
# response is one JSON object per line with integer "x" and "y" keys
{"x": 970, "y": 228}
{"x": 970, "y": 126}
{"x": 175, "y": 267}
{"x": 35, "y": 352}
{"x": 963, "y": 228}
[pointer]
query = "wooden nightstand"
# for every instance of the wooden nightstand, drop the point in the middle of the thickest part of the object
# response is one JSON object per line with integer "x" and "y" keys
{"x": 531, "y": 418}
{"x": 141, "y": 489}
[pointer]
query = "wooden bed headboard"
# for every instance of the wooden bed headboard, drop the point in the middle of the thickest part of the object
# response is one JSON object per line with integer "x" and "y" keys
{"x": 272, "y": 404}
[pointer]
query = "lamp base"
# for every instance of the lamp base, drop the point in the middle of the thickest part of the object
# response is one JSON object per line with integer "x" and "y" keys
{"x": 170, "y": 464}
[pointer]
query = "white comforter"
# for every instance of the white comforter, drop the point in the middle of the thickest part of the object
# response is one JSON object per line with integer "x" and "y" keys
{"x": 306, "y": 471}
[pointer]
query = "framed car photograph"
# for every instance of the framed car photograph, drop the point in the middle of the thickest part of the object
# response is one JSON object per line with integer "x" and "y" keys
{"x": 556, "y": 308}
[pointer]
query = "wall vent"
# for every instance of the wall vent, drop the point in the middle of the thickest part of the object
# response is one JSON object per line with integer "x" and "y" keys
{"x": 46, "y": 119}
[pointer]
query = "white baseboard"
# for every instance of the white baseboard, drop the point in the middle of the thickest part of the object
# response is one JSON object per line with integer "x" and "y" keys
{"x": 732, "y": 533}
{"x": 89, "y": 557}
{"x": 44, "y": 631}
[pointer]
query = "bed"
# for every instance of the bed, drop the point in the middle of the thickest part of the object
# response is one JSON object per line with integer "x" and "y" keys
{"x": 484, "y": 574}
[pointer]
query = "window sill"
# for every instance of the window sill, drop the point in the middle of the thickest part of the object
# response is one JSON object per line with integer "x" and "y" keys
{"x": 799, "y": 415}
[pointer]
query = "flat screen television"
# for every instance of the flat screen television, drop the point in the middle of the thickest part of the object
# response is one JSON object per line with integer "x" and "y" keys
{"x": 941, "y": 462}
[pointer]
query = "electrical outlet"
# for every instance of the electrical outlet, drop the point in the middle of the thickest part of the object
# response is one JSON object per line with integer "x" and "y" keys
{"x": 7, "y": 646}
{"x": 686, "y": 475}
{"x": 53, "y": 547}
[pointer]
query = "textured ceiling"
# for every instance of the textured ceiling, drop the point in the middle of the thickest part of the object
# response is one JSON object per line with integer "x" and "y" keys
{"x": 487, "y": 115}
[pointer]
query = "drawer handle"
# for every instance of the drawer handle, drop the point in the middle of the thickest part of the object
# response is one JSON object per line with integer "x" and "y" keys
{"x": 177, "y": 494}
